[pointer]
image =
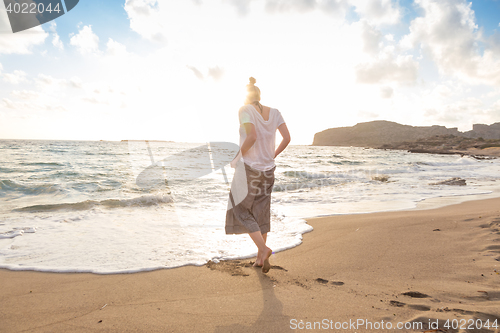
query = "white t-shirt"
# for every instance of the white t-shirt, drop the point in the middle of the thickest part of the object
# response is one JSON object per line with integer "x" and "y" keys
{"x": 261, "y": 155}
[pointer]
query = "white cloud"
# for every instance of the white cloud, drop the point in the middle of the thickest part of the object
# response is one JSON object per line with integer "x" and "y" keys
{"x": 45, "y": 80}
{"x": 383, "y": 62}
{"x": 371, "y": 37}
{"x": 448, "y": 33}
{"x": 288, "y": 5}
{"x": 105, "y": 94}
{"x": 451, "y": 104}
{"x": 463, "y": 112}
{"x": 25, "y": 94}
{"x": 95, "y": 100}
{"x": 15, "y": 77}
{"x": 378, "y": 12}
{"x": 56, "y": 41}
{"x": 86, "y": 41}
{"x": 53, "y": 95}
{"x": 242, "y": 6}
{"x": 21, "y": 42}
{"x": 49, "y": 96}
{"x": 216, "y": 73}
{"x": 336, "y": 8}
{"x": 115, "y": 49}
{"x": 494, "y": 42}
{"x": 144, "y": 16}
{"x": 9, "y": 104}
{"x": 386, "y": 92}
{"x": 442, "y": 92}
{"x": 368, "y": 115}
{"x": 44, "y": 103}
{"x": 49, "y": 83}
{"x": 196, "y": 72}
{"x": 75, "y": 82}
{"x": 389, "y": 69}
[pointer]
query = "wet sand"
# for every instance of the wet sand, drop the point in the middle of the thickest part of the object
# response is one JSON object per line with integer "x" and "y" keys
{"x": 405, "y": 267}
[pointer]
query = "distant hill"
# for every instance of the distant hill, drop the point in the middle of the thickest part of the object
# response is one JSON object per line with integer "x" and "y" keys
{"x": 387, "y": 134}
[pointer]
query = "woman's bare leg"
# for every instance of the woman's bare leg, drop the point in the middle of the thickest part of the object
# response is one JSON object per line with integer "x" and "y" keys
{"x": 263, "y": 253}
{"x": 264, "y": 236}
{"x": 267, "y": 265}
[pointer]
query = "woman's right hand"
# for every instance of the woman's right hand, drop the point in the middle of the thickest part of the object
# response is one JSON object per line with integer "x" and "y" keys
{"x": 235, "y": 161}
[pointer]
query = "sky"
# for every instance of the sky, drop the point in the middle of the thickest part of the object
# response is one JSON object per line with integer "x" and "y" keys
{"x": 177, "y": 69}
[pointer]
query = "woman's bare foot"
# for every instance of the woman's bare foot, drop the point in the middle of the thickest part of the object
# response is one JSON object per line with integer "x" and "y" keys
{"x": 267, "y": 265}
{"x": 262, "y": 257}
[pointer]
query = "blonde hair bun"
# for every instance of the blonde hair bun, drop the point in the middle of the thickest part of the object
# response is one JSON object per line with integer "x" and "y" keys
{"x": 253, "y": 92}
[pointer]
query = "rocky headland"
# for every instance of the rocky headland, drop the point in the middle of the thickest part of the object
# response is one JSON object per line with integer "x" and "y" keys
{"x": 482, "y": 140}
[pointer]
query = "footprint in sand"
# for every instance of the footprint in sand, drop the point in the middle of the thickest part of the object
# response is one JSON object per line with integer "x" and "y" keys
{"x": 397, "y": 304}
{"x": 419, "y": 307}
{"x": 493, "y": 248}
{"x": 415, "y": 294}
{"x": 411, "y": 306}
{"x": 335, "y": 283}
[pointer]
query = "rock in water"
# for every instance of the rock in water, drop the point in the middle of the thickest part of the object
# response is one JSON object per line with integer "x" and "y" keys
{"x": 453, "y": 181}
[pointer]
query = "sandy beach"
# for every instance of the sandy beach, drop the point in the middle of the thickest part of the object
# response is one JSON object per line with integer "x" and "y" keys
{"x": 360, "y": 272}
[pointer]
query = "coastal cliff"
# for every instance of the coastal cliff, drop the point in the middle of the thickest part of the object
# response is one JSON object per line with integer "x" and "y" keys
{"x": 391, "y": 135}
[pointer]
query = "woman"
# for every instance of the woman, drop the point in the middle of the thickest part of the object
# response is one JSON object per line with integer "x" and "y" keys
{"x": 249, "y": 207}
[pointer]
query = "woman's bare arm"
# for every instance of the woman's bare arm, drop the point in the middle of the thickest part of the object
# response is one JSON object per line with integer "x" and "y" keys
{"x": 250, "y": 139}
{"x": 286, "y": 139}
{"x": 247, "y": 144}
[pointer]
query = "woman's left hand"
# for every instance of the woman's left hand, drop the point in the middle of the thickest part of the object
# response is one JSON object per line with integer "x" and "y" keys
{"x": 236, "y": 160}
{"x": 233, "y": 163}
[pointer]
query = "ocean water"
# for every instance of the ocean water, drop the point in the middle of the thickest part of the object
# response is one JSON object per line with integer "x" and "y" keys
{"x": 119, "y": 207}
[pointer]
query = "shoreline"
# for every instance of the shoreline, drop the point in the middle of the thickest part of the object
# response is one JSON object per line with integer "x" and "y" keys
{"x": 477, "y": 153}
{"x": 424, "y": 204}
{"x": 480, "y": 154}
{"x": 350, "y": 266}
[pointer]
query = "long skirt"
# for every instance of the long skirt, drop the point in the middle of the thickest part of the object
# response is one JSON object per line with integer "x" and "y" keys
{"x": 249, "y": 204}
